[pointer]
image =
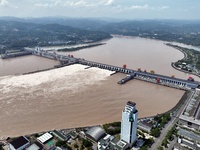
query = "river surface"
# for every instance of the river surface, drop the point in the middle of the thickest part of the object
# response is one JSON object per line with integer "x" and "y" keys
{"x": 136, "y": 53}
{"x": 197, "y": 48}
{"x": 25, "y": 64}
{"x": 73, "y": 96}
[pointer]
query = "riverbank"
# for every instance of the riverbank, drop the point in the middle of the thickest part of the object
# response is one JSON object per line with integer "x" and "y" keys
{"x": 79, "y": 48}
{"x": 78, "y": 96}
{"x": 172, "y": 111}
{"x": 189, "y": 59}
{"x": 173, "y": 65}
{"x": 13, "y": 55}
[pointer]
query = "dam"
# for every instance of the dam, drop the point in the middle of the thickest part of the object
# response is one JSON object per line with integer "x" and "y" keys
{"x": 131, "y": 74}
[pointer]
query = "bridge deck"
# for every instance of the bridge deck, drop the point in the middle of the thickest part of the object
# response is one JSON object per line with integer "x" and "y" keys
{"x": 131, "y": 73}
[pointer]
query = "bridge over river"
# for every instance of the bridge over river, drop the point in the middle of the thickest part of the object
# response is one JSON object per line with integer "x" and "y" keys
{"x": 131, "y": 74}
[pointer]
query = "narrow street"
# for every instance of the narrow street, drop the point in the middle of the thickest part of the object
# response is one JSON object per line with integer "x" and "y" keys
{"x": 170, "y": 124}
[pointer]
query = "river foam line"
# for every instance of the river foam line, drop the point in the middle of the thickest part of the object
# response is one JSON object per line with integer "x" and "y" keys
{"x": 32, "y": 94}
{"x": 35, "y": 79}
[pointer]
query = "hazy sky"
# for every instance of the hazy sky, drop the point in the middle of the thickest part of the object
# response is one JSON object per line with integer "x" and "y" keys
{"x": 124, "y": 9}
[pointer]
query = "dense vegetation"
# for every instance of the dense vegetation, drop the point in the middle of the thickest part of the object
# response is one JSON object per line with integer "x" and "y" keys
{"x": 192, "y": 57}
{"x": 160, "y": 148}
{"x": 63, "y": 144}
{"x": 161, "y": 120}
{"x": 187, "y": 32}
{"x": 16, "y": 35}
{"x": 81, "y": 23}
{"x": 112, "y": 128}
{"x": 169, "y": 136}
{"x": 86, "y": 143}
{"x": 83, "y": 143}
{"x": 79, "y": 48}
{"x": 147, "y": 144}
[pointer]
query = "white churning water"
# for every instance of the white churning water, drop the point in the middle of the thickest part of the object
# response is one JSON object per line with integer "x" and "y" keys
{"x": 73, "y": 96}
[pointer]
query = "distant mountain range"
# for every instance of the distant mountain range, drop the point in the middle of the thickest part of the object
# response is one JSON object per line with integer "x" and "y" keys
{"x": 87, "y": 24}
{"x": 20, "y": 32}
{"x": 16, "y": 35}
{"x": 187, "y": 32}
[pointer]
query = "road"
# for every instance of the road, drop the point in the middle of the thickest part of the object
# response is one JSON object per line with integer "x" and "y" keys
{"x": 189, "y": 134}
{"x": 170, "y": 124}
{"x": 171, "y": 145}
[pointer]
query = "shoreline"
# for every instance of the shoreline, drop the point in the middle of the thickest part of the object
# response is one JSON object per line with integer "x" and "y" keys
{"x": 164, "y": 42}
{"x": 53, "y": 68}
{"x": 185, "y": 56}
{"x": 72, "y": 49}
{"x": 169, "y": 111}
{"x": 65, "y": 45}
{"x": 173, "y": 66}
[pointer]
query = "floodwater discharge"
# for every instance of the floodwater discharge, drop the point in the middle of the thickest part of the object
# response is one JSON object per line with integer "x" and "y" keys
{"x": 73, "y": 96}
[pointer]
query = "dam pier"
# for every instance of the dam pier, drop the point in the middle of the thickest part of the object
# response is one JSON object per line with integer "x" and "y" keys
{"x": 151, "y": 77}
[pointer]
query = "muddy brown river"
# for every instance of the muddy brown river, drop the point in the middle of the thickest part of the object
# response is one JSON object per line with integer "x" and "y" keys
{"x": 73, "y": 96}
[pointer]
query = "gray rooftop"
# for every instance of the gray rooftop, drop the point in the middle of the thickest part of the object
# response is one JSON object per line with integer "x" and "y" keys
{"x": 130, "y": 103}
{"x": 96, "y": 133}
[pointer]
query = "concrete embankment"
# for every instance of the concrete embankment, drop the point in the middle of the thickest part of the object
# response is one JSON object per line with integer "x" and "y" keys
{"x": 56, "y": 66}
{"x": 185, "y": 57}
{"x": 173, "y": 65}
{"x": 12, "y": 55}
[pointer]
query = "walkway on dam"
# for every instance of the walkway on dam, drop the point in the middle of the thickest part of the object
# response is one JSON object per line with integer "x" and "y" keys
{"x": 131, "y": 74}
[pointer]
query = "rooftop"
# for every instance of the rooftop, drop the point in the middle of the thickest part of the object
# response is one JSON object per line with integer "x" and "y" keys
{"x": 59, "y": 135}
{"x": 130, "y": 103}
{"x": 130, "y": 107}
{"x": 103, "y": 144}
{"x": 96, "y": 133}
{"x": 145, "y": 126}
{"x": 33, "y": 147}
{"x": 45, "y": 137}
{"x": 122, "y": 144}
{"x": 19, "y": 142}
{"x": 191, "y": 111}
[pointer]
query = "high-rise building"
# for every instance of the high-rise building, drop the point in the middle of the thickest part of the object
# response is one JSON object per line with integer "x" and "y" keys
{"x": 129, "y": 123}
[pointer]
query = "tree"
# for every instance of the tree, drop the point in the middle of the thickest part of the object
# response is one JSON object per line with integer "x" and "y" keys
{"x": 160, "y": 148}
{"x": 112, "y": 128}
{"x": 86, "y": 143}
{"x": 155, "y": 132}
{"x": 1, "y": 148}
{"x": 63, "y": 144}
{"x": 36, "y": 135}
{"x": 75, "y": 145}
{"x": 82, "y": 147}
{"x": 144, "y": 148}
{"x": 164, "y": 143}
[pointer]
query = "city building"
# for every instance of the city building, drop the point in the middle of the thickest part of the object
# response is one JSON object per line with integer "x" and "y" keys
{"x": 143, "y": 125}
{"x": 111, "y": 143}
{"x": 103, "y": 144}
{"x": 95, "y": 133}
{"x": 19, "y": 144}
{"x": 35, "y": 146}
{"x": 45, "y": 138}
{"x": 129, "y": 123}
{"x": 59, "y": 135}
{"x": 190, "y": 117}
{"x": 184, "y": 144}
